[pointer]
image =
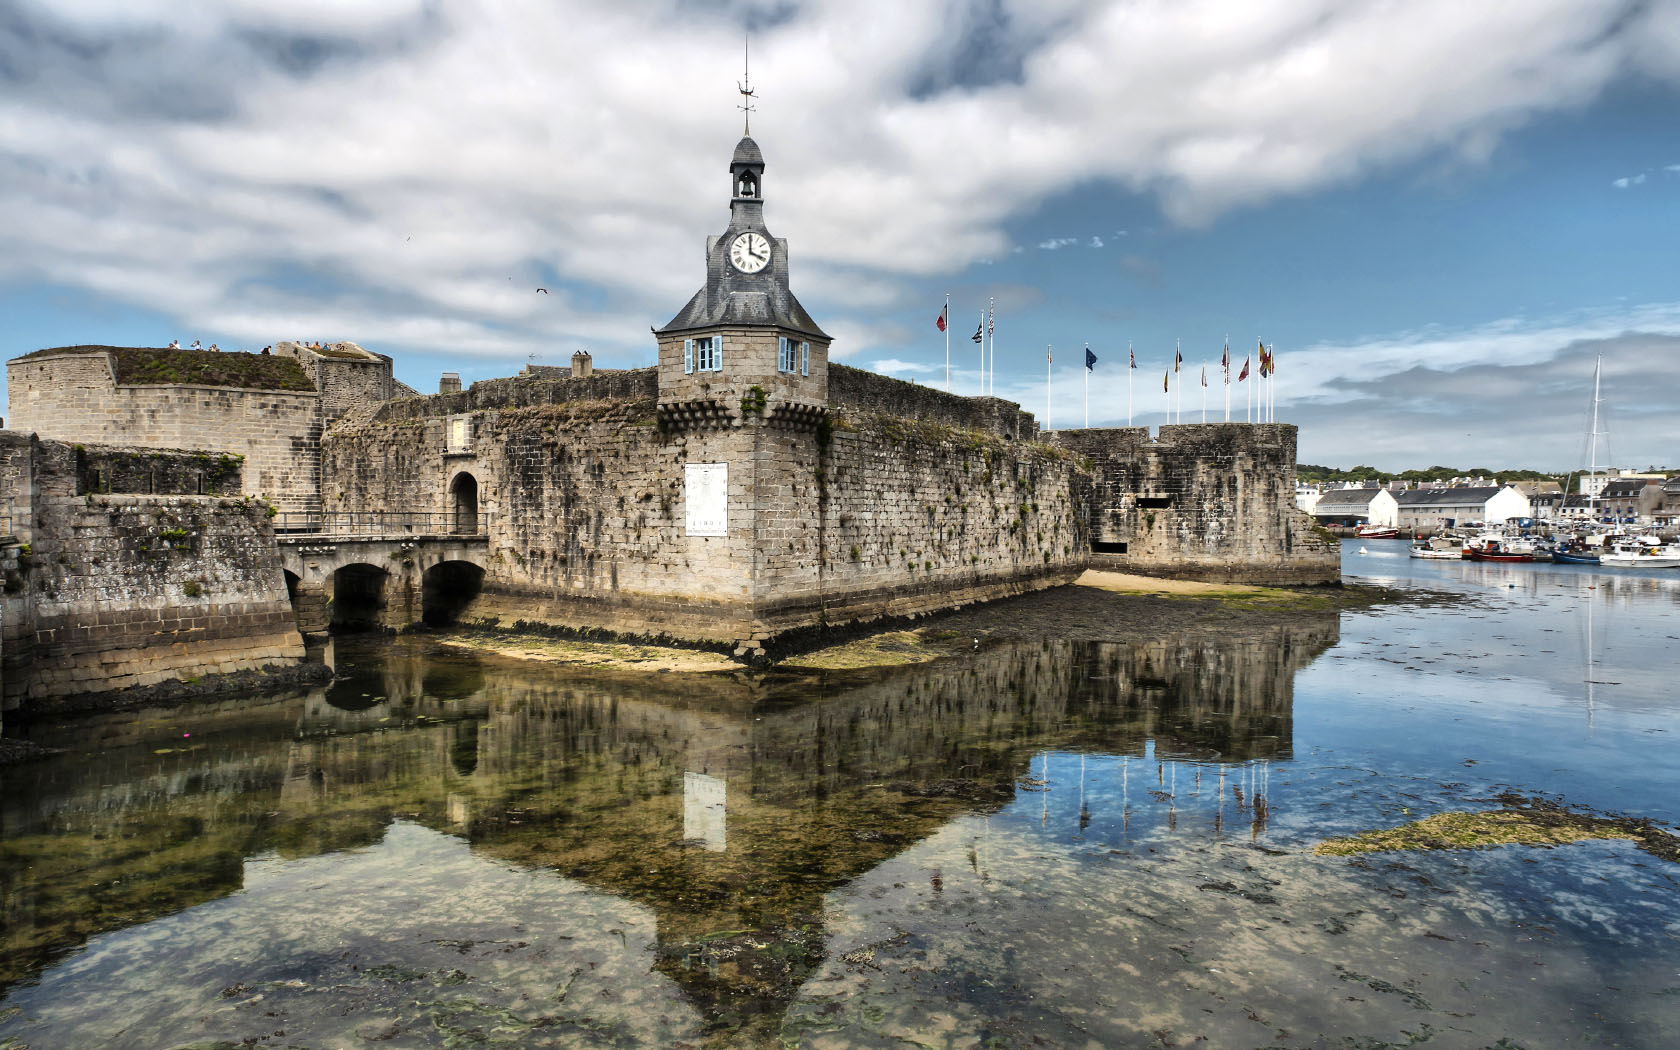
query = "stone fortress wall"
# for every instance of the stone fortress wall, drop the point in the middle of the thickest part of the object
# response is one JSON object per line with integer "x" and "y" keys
{"x": 119, "y": 573}
{"x": 1206, "y": 501}
{"x": 269, "y": 409}
{"x": 850, "y": 516}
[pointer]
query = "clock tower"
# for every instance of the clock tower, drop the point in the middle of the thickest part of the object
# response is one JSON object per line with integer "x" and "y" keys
{"x": 743, "y": 350}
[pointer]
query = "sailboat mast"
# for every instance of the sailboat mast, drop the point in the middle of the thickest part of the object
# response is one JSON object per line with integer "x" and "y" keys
{"x": 1592, "y": 469}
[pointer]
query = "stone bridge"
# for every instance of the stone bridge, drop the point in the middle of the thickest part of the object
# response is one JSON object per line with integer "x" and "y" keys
{"x": 392, "y": 580}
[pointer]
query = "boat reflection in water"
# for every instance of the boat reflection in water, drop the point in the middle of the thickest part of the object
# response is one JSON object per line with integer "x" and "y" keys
{"x": 638, "y": 828}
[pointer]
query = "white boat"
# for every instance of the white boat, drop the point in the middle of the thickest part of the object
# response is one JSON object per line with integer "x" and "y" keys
{"x": 1435, "y": 554}
{"x": 1645, "y": 552}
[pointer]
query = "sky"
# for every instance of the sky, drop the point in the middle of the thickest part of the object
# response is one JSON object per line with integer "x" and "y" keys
{"x": 1439, "y": 214}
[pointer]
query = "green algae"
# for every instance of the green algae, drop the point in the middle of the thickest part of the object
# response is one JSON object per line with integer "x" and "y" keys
{"x": 1522, "y": 822}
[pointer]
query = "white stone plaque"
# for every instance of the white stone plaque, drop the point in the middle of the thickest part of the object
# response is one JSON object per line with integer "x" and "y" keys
{"x": 706, "y": 493}
{"x": 705, "y": 811}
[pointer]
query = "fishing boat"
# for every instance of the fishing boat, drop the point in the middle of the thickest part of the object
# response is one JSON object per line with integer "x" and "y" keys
{"x": 1438, "y": 548}
{"x": 1575, "y": 554}
{"x": 1646, "y": 552}
{"x": 1376, "y": 532}
{"x": 1436, "y": 553}
{"x": 1496, "y": 546}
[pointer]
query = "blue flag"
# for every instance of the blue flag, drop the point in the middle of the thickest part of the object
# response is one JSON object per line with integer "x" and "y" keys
{"x": 1090, "y": 359}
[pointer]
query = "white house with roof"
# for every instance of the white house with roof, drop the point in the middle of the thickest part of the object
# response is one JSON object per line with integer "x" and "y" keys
{"x": 1431, "y": 509}
{"x": 1352, "y": 506}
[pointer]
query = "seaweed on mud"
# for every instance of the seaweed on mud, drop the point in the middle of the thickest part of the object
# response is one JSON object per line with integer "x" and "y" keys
{"x": 1521, "y": 821}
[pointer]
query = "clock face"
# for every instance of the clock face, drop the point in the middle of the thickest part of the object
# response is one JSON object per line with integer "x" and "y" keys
{"x": 750, "y": 252}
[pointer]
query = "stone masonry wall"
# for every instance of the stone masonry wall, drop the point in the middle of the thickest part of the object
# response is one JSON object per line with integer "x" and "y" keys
{"x": 1209, "y": 501}
{"x": 587, "y": 520}
{"x": 855, "y": 392}
{"x": 73, "y": 397}
{"x": 118, "y": 590}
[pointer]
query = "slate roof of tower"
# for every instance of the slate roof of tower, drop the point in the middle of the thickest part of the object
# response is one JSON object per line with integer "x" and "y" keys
{"x": 775, "y": 306}
{"x": 746, "y": 152}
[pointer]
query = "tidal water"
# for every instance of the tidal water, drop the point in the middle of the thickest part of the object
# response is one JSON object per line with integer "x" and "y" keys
{"x": 1046, "y": 844}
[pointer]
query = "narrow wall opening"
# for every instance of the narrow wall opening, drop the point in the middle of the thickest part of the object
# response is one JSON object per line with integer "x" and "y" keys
{"x": 463, "y": 492}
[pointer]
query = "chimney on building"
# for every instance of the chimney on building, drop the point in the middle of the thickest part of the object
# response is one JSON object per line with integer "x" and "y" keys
{"x": 582, "y": 365}
{"x": 450, "y": 383}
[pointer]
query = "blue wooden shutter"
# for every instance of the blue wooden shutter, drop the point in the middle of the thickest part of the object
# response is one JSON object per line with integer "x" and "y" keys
{"x": 688, "y": 357}
{"x": 717, "y": 353}
{"x": 804, "y": 359}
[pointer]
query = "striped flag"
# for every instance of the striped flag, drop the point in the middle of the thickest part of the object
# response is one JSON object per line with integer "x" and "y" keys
{"x": 940, "y": 324}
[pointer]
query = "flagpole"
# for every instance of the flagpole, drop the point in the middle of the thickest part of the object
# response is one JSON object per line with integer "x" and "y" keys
{"x": 1049, "y": 359}
{"x": 1204, "y": 393}
{"x": 986, "y": 365}
{"x": 1178, "y": 356}
{"x": 1227, "y": 377}
{"x": 947, "y": 316}
{"x": 1131, "y": 366}
{"x": 1271, "y": 379}
{"x": 1087, "y": 386}
{"x": 982, "y": 353}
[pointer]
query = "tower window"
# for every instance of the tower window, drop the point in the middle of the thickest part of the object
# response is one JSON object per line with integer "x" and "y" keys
{"x": 787, "y": 355}
{"x": 708, "y": 354}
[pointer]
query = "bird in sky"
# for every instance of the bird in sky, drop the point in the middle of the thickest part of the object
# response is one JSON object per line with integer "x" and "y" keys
{"x": 543, "y": 290}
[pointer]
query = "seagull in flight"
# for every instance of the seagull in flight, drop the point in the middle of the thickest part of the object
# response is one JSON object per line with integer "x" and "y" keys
{"x": 543, "y": 290}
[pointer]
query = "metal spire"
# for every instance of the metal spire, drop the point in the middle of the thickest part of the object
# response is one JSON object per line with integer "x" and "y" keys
{"x": 744, "y": 85}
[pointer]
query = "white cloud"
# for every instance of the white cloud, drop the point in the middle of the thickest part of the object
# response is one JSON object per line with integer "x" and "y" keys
{"x": 263, "y": 166}
{"x": 1094, "y": 242}
{"x": 1627, "y": 180}
{"x": 893, "y": 366}
{"x": 1673, "y": 167}
{"x": 1509, "y": 393}
{"x": 1055, "y": 243}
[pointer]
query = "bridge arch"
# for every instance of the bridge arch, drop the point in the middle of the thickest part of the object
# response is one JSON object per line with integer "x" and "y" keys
{"x": 463, "y": 503}
{"x": 447, "y": 588}
{"x": 358, "y": 597}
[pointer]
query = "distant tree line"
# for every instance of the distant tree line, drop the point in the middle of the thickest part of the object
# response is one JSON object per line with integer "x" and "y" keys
{"x": 1312, "y": 472}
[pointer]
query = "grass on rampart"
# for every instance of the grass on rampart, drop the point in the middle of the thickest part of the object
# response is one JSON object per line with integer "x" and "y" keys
{"x": 137, "y": 365}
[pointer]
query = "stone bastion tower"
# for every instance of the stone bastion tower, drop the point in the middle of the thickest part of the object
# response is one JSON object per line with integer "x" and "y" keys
{"x": 743, "y": 384}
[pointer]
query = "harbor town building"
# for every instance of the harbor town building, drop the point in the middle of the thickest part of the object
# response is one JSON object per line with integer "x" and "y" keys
{"x": 743, "y": 490}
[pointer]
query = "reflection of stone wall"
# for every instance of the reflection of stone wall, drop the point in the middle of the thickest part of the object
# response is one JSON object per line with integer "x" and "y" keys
{"x": 615, "y": 780}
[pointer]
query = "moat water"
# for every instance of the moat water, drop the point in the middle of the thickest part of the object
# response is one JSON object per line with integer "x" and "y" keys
{"x": 1049, "y": 844}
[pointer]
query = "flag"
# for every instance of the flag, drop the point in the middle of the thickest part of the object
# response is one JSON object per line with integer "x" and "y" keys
{"x": 1244, "y": 374}
{"x": 1225, "y": 358}
{"x": 1133, "y": 355}
{"x": 940, "y": 324}
{"x": 1271, "y": 361}
{"x": 1166, "y": 379}
{"x": 1204, "y": 375}
{"x": 991, "y": 325}
{"x": 1178, "y": 359}
{"x": 1090, "y": 360}
{"x": 979, "y": 334}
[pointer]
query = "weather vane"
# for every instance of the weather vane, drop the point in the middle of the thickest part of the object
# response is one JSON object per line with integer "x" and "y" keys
{"x": 744, "y": 85}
